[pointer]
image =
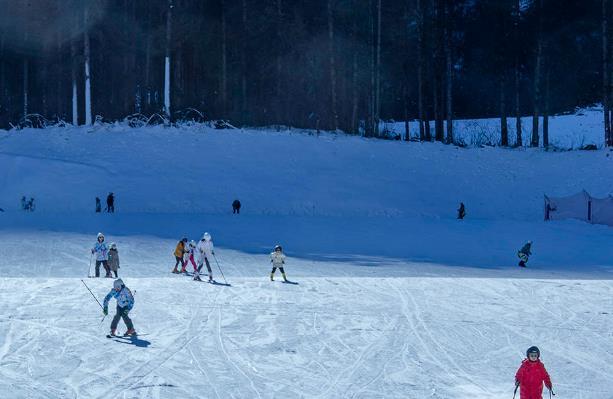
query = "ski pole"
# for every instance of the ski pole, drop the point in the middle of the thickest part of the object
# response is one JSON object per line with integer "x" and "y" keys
{"x": 89, "y": 269}
{"x": 90, "y": 291}
{"x": 219, "y": 267}
{"x": 515, "y": 391}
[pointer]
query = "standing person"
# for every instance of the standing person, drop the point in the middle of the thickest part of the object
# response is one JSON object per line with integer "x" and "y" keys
{"x": 179, "y": 252}
{"x": 110, "y": 203}
{"x": 461, "y": 211}
{"x": 30, "y": 205}
{"x": 531, "y": 376}
{"x": 98, "y": 205}
{"x": 102, "y": 255}
{"x": 24, "y": 203}
{"x": 236, "y": 207}
{"x": 125, "y": 303}
{"x": 277, "y": 258}
{"x": 113, "y": 259}
{"x": 524, "y": 253}
{"x": 191, "y": 253}
{"x": 205, "y": 251}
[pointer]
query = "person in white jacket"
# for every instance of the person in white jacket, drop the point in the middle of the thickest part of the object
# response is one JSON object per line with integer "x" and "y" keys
{"x": 277, "y": 258}
{"x": 205, "y": 251}
{"x": 102, "y": 255}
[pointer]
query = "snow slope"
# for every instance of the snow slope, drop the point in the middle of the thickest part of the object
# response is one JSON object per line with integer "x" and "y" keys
{"x": 395, "y": 297}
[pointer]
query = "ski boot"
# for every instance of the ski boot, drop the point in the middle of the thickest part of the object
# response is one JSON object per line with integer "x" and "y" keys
{"x": 129, "y": 333}
{"x": 272, "y": 277}
{"x": 284, "y": 278}
{"x": 197, "y": 278}
{"x": 522, "y": 263}
{"x": 175, "y": 270}
{"x": 113, "y": 332}
{"x": 210, "y": 278}
{"x": 183, "y": 270}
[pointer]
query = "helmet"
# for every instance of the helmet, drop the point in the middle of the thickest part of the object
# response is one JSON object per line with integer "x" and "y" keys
{"x": 206, "y": 236}
{"x": 192, "y": 243}
{"x": 100, "y": 235}
{"x": 533, "y": 349}
{"x": 278, "y": 248}
{"x": 117, "y": 284}
{"x": 184, "y": 239}
{"x": 113, "y": 246}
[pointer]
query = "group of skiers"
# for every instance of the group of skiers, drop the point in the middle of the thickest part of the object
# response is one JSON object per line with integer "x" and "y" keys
{"x": 198, "y": 255}
{"x": 107, "y": 256}
{"x": 110, "y": 204}
{"x": 27, "y": 205}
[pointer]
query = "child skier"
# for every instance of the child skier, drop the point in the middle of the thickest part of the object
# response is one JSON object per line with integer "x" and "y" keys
{"x": 524, "y": 253}
{"x": 113, "y": 258}
{"x": 191, "y": 257}
{"x": 102, "y": 255}
{"x": 277, "y": 258}
{"x": 179, "y": 252}
{"x": 125, "y": 303}
{"x": 531, "y": 376}
{"x": 205, "y": 252}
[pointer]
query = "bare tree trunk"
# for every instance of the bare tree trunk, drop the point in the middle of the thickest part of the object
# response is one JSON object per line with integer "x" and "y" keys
{"x": 438, "y": 73}
{"x": 378, "y": 72}
{"x": 449, "y": 80}
{"x": 278, "y": 101}
{"x": 244, "y": 117}
{"x": 354, "y": 77}
{"x": 26, "y": 67}
{"x": 504, "y": 131}
{"x": 516, "y": 12}
{"x": 167, "y": 59}
{"x": 420, "y": 68}
{"x": 605, "y": 72}
{"x": 75, "y": 97}
{"x": 534, "y": 142}
{"x": 372, "y": 129}
{"x": 86, "y": 56}
{"x": 224, "y": 62}
{"x": 546, "y": 112}
{"x": 332, "y": 66}
{"x": 148, "y": 59}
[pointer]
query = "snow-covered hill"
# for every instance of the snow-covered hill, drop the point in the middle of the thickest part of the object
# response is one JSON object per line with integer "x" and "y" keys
{"x": 396, "y": 298}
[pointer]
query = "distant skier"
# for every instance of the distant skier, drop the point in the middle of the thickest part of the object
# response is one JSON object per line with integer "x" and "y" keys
{"x": 531, "y": 376}
{"x": 524, "y": 253}
{"x": 461, "y": 211}
{"x": 110, "y": 203}
{"x": 277, "y": 258}
{"x": 205, "y": 251}
{"x": 98, "y": 205}
{"x": 24, "y": 203}
{"x": 102, "y": 255}
{"x": 236, "y": 206}
{"x": 125, "y": 303}
{"x": 113, "y": 259}
{"x": 30, "y": 205}
{"x": 191, "y": 257}
{"x": 179, "y": 252}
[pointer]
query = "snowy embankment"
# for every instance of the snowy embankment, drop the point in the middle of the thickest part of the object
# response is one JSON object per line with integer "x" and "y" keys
{"x": 396, "y": 298}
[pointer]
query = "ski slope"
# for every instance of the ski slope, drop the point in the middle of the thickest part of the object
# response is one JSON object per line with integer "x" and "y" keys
{"x": 395, "y": 297}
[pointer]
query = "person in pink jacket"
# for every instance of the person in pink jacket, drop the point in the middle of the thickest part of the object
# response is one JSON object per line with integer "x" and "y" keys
{"x": 531, "y": 376}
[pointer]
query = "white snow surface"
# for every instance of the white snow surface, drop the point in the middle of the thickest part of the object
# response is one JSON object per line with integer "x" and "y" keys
{"x": 395, "y": 297}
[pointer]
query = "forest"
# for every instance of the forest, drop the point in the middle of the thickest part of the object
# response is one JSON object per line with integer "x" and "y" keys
{"x": 343, "y": 65}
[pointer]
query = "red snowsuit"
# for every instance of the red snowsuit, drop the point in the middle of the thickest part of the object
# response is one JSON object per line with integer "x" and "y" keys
{"x": 531, "y": 376}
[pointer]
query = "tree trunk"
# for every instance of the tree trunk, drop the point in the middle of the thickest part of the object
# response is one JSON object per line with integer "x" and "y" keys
{"x": 354, "y": 76}
{"x": 605, "y": 72}
{"x": 546, "y": 112}
{"x": 378, "y": 72}
{"x": 449, "y": 77}
{"x": 332, "y": 60}
{"x": 167, "y": 60}
{"x": 439, "y": 130}
{"x": 224, "y": 62}
{"x": 516, "y": 11}
{"x": 278, "y": 100}
{"x": 26, "y": 67}
{"x": 420, "y": 68}
{"x": 534, "y": 142}
{"x": 504, "y": 131}
{"x": 86, "y": 56}
{"x": 244, "y": 117}
{"x": 75, "y": 97}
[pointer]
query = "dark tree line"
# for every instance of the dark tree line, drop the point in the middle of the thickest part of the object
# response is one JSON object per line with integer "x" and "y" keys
{"x": 324, "y": 64}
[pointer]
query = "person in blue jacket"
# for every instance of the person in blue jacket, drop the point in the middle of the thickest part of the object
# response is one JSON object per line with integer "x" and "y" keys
{"x": 125, "y": 303}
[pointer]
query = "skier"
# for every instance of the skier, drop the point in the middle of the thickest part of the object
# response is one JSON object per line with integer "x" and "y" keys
{"x": 205, "y": 252}
{"x": 102, "y": 255}
{"x": 110, "y": 203}
{"x": 23, "y": 202}
{"x": 30, "y": 205}
{"x": 531, "y": 376}
{"x": 461, "y": 211}
{"x": 113, "y": 259}
{"x": 277, "y": 258}
{"x": 125, "y": 303}
{"x": 190, "y": 258}
{"x": 236, "y": 206}
{"x": 524, "y": 253}
{"x": 179, "y": 252}
{"x": 98, "y": 205}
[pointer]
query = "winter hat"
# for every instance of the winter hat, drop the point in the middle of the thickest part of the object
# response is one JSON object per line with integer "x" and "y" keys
{"x": 533, "y": 349}
{"x": 206, "y": 236}
{"x": 192, "y": 243}
{"x": 100, "y": 235}
{"x": 184, "y": 239}
{"x": 117, "y": 284}
{"x": 278, "y": 248}
{"x": 113, "y": 246}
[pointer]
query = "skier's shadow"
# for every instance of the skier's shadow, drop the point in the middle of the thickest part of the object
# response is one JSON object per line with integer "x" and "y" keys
{"x": 134, "y": 340}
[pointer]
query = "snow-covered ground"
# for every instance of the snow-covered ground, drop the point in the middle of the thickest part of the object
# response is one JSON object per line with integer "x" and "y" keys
{"x": 395, "y": 297}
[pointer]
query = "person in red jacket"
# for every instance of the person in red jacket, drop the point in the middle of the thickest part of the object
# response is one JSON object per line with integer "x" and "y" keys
{"x": 531, "y": 376}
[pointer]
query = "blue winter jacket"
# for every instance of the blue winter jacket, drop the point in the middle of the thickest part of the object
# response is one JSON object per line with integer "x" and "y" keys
{"x": 124, "y": 298}
{"x": 102, "y": 251}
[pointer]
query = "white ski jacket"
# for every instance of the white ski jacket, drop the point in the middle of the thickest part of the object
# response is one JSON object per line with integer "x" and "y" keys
{"x": 277, "y": 259}
{"x": 205, "y": 249}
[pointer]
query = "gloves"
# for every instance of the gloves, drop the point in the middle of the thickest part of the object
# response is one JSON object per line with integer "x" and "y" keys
{"x": 93, "y": 251}
{"x": 105, "y": 311}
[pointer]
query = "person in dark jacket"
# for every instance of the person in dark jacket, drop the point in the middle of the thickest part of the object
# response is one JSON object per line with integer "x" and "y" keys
{"x": 236, "y": 206}
{"x": 524, "y": 253}
{"x": 98, "y": 205}
{"x": 110, "y": 203}
{"x": 461, "y": 211}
